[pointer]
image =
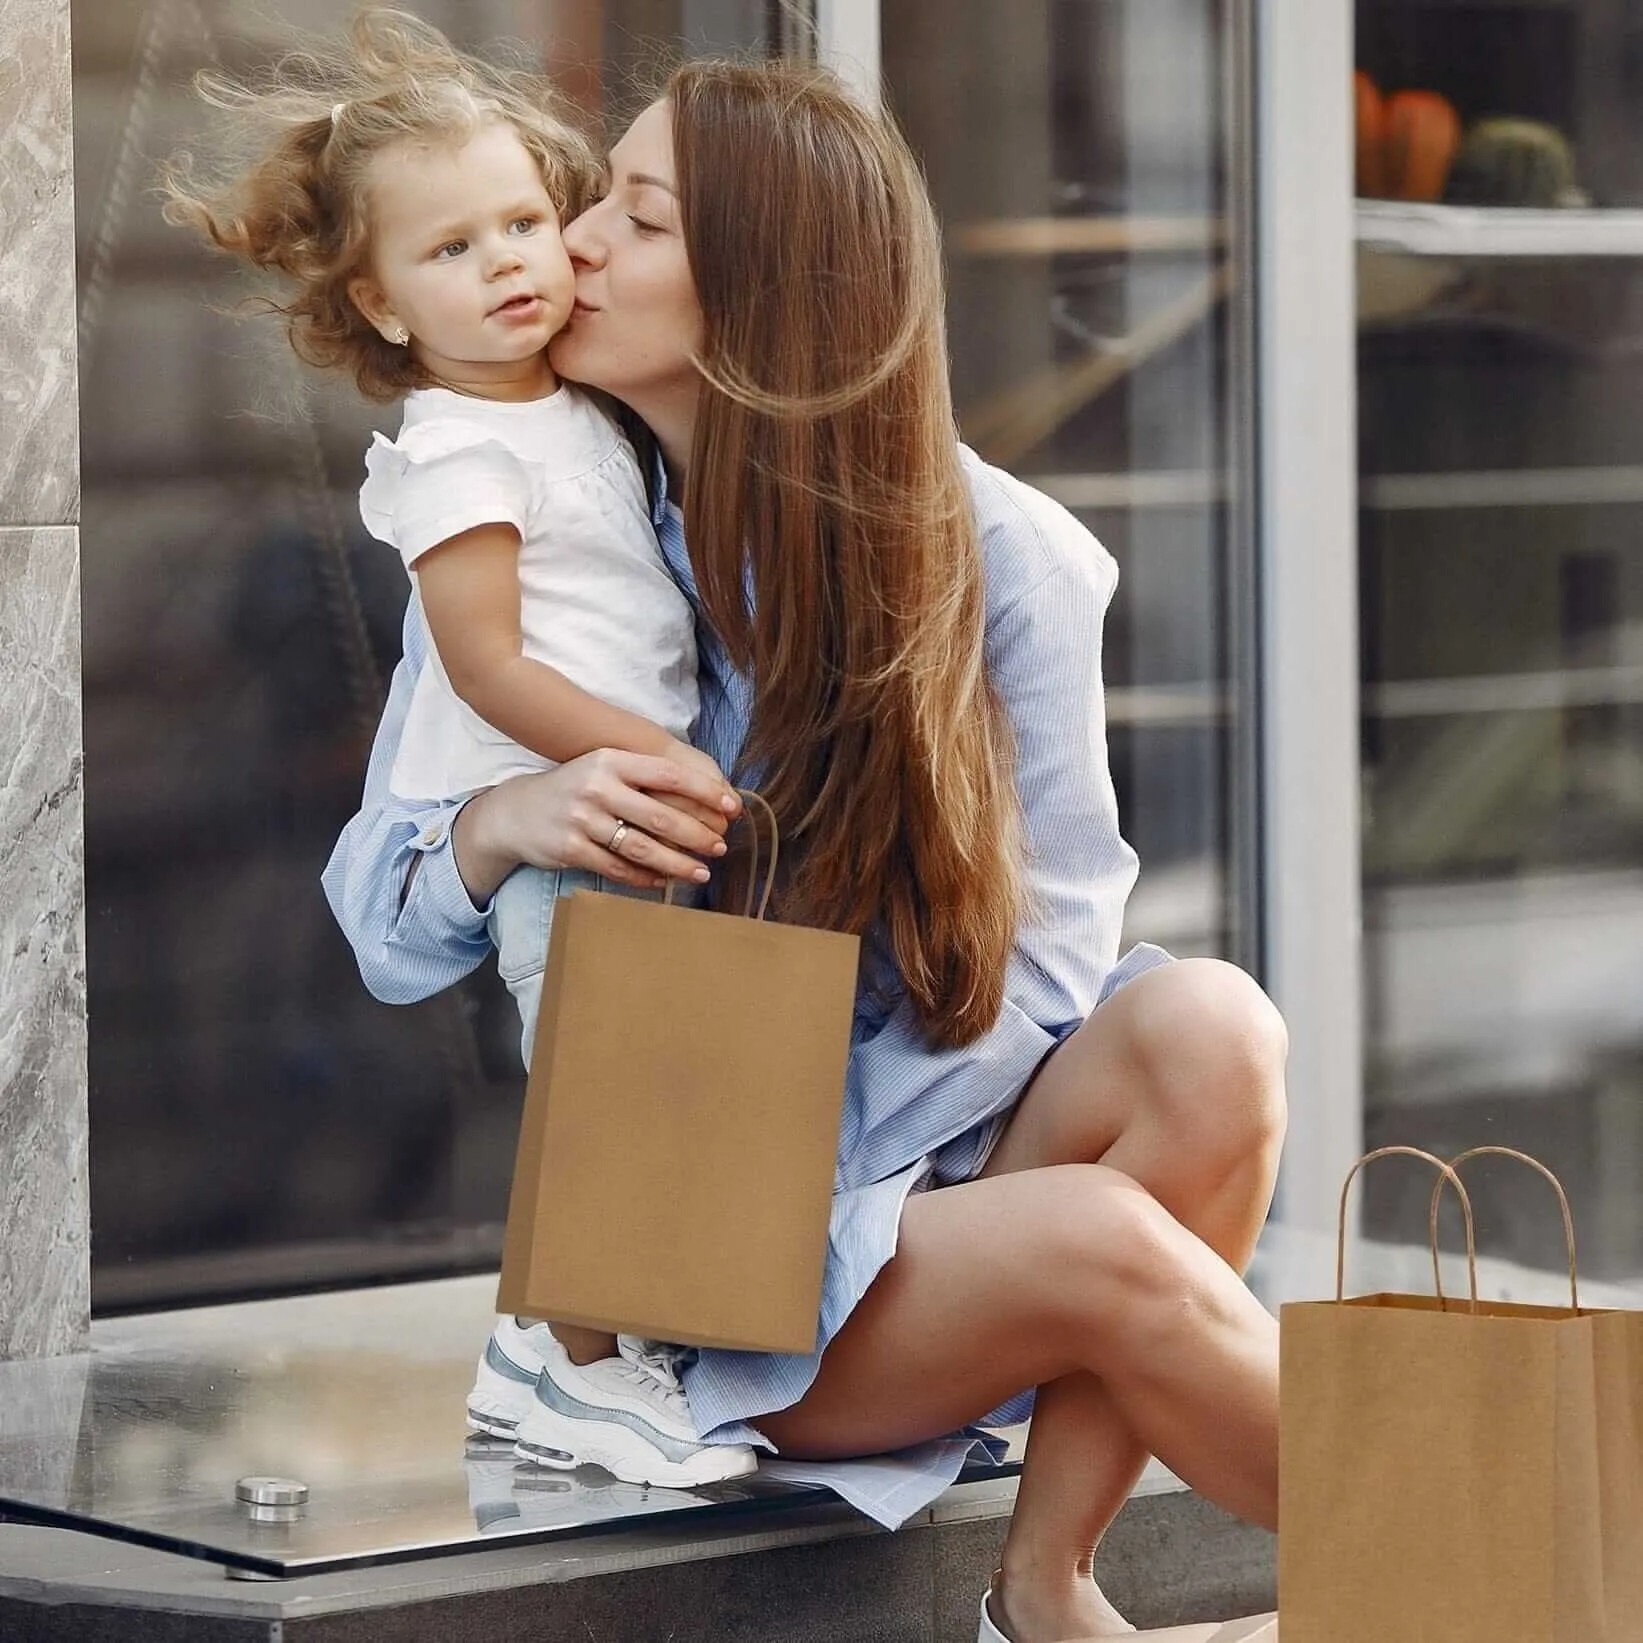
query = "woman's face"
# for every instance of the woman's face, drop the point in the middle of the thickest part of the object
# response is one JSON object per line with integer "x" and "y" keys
{"x": 636, "y": 325}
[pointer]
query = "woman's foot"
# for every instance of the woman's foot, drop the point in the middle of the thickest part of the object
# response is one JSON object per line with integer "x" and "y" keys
{"x": 1062, "y": 1611}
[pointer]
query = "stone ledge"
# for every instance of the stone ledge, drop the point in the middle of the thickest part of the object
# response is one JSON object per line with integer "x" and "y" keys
{"x": 808, "y": 1573}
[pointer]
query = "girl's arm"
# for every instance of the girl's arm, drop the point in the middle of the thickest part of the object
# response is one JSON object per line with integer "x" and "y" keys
{"x": 470, "y": 597}
{"x": 410, "y": 883}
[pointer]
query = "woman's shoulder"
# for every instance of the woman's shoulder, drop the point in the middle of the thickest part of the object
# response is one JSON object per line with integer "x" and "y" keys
{"x": 1029, "y": 541}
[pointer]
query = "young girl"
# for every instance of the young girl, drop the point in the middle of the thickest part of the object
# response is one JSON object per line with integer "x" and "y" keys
{"x": 412, "y": 198}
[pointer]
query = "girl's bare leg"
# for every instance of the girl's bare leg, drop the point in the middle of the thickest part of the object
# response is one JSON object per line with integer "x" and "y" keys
{"x": 1122, "y": 1304}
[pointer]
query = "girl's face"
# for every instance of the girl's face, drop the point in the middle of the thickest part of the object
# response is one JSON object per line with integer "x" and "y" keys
{"x": 636, "y": 326}
{"x": 466, "y": 255}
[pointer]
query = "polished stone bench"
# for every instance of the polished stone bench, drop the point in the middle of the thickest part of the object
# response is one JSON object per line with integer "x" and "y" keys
{"x": 811, "y": 1574}
{"x": 118, "y": 1469}
{"x": 415, "y": 1533}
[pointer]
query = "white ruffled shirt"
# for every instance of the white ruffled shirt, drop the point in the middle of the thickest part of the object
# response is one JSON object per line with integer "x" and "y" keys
{"x": 596, "y": 600}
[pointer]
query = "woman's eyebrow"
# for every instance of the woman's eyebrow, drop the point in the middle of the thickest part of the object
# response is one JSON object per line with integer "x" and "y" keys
{"x": 642, "y": 179}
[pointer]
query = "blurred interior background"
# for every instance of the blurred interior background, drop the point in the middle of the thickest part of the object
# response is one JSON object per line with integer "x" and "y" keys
{"x": 260, "y": 1125}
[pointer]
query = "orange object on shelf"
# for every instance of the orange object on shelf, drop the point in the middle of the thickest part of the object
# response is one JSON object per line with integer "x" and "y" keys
{"x": 1369, "y": 128}
{"x": 1422, "y": 137}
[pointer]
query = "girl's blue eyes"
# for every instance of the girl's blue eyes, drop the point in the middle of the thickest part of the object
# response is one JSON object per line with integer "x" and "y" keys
{"x": 455, "y": 248}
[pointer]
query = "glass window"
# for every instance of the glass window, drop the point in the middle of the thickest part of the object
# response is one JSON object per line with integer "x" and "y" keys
{"x": 1500, "y": 157}
{"x": 1087, "y": 158}
{"x": 257, "y": 1121}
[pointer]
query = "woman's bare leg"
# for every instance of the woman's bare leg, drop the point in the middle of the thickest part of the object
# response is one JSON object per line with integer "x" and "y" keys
{"x": 1022, "y": 1279}
{"x": 1133, "y": 1322}
{"x": 1196, "y": 1050}
{"x": 1082, "y": 1462}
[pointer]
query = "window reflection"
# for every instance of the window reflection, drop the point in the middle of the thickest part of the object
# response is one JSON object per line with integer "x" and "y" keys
{"x": 1502, "y": 605}
{"x": 257, "y": 1121}
{"x": 1087, "y": 161}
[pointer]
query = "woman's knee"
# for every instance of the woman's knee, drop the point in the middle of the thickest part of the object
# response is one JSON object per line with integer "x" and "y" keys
{"x": 1118, "y": 1262}
{"x": 1209, "y": 1048}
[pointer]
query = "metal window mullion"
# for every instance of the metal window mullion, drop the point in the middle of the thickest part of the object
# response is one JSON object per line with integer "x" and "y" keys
{"x": 1307, "y": 422}
{"x": 847, "y": 39}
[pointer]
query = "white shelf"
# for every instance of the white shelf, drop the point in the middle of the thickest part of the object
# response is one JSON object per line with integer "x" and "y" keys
{"x": 1504, "y": 693}
{"x": 1154, "y": 707}
{"x": 1503, "y": 488}
{"x": 1469, "y": 231}
{"x": 1095, "y": 235}
{"x": 1160, "y": 488}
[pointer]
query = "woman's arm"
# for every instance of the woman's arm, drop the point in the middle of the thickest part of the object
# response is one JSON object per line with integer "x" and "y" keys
{"x": 392, "y": 880}
{"x": 565, "y": 817}
{"x": 469, "y": 586}
{"x": 410, "y": 883}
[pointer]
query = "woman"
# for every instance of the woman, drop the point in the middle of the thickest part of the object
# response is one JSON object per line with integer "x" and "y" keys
{"x": 761, "y": 285}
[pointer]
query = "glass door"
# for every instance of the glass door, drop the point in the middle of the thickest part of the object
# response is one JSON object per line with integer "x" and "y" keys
{"x": 1088, "y": 158}
{"x": 1500, "y": 235}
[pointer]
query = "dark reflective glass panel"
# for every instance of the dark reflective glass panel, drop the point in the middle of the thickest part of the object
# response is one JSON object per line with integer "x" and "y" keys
{"x": 1501, "y": 313}
{"x": 1089, "y": 159}
{"x": 258, "y": 1122}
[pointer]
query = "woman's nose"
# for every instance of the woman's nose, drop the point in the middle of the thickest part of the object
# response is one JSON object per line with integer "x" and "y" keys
{"x": 582, "y": 240}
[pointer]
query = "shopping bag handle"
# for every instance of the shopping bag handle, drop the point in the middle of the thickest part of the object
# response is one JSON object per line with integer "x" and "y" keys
{"x": 1446, "y": 1174}
{"x": 763, "y": 803}
{"x": 753, "y": 888}
{"x": 1557, "y": 1187}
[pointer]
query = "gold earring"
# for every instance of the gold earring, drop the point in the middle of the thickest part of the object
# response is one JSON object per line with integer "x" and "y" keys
{"x": 400, "y": 337}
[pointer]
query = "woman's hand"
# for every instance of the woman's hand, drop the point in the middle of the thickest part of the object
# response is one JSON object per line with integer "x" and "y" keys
{"x": 663, "y": 816}
{"x": 699, "y": 764}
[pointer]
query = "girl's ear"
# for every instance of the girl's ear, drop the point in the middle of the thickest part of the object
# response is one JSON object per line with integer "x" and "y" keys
{"x": 372, "y": 302}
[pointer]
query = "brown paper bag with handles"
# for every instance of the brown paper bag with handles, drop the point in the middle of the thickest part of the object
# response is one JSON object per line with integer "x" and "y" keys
{"x": 676, "y": 1154}
{"x": 1459, "y": 1471}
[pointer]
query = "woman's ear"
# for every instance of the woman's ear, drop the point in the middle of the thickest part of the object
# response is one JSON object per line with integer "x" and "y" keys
{"x": 372, "y": 302}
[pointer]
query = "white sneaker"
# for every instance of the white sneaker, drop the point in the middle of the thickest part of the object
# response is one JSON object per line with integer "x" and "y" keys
{"x": 627, "y": 1414}
{"x": 505, "y": 1382}
{"x": 989, "y": 1633}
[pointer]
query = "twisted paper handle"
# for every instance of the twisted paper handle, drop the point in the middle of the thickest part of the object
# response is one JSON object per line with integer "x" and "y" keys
{"x": 751, "y": 798}
{"x": 1557, "y": 1187}
{"x": 1447, "y": 1174}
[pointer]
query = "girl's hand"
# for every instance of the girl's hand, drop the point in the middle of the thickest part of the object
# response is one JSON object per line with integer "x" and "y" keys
{"x": 676, "y": 814}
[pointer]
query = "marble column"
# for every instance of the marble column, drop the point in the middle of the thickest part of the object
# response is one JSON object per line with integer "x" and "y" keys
{"x": 44, "y": 1211}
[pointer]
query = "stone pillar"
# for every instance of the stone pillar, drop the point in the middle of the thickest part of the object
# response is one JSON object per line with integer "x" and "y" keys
{"x": 45, "y": 1278}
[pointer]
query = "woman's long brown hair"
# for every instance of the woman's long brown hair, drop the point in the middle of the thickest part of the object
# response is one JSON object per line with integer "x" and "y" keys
{"x": 825, "y": 464}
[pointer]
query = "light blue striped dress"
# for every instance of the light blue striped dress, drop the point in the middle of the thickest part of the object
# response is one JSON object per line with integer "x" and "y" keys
{"x": 913, "y": 1116}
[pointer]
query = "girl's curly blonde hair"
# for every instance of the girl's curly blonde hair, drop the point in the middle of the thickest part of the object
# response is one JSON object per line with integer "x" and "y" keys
{"x": 294, "y": 198}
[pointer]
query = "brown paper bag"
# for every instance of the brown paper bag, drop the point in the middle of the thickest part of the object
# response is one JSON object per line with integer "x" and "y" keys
{"x": 676, "y": 1154}
{"x": 1459, "y": 1471}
